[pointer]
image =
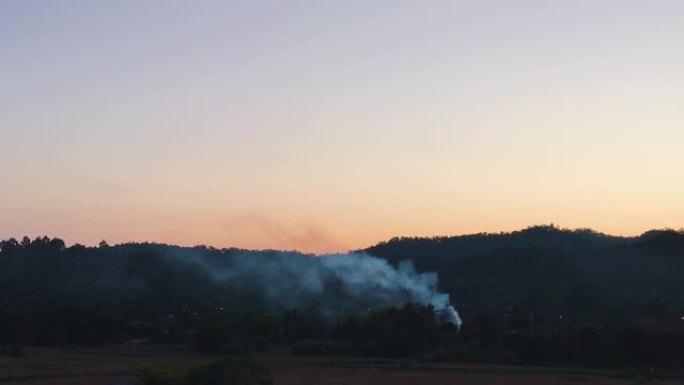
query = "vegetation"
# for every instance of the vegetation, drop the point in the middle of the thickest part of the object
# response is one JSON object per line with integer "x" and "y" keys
{"x": 545, "y": 273}
{"x": 539, "y": 296}
{"x": 223, "y": 371}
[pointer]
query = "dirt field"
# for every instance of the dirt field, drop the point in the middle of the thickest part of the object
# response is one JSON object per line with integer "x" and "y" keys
{"x": 116, "y": 365}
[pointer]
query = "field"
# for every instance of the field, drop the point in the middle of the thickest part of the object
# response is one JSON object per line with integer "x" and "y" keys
{"x": 116, "y": 365}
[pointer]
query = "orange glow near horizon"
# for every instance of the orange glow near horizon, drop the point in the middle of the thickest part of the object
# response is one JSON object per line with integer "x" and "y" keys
{"x": 259, "y": 232}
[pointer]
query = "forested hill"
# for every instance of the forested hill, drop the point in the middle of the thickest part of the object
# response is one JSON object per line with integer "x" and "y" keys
{"x": 541, "y": 279}
{"x": 548, "y": 273}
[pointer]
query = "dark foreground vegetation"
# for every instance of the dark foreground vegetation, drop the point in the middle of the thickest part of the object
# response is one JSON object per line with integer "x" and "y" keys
{"x": 222, "y": 371}
{"x": 172, "y": 365}
{"x": 539, "y": 296}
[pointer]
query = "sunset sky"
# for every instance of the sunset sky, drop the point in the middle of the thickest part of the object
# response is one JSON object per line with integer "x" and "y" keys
{"x": 332, "y": 125}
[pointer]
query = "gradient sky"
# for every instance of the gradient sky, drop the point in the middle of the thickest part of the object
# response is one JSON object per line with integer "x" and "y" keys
{"x": 330, "y": 125}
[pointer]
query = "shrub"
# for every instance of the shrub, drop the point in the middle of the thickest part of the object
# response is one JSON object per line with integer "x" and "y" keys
{"x": 223, "y": 371}
{"x": 14, "y": 351}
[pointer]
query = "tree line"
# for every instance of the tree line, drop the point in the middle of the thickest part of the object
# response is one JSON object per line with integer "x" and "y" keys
{"x": 543, "y": 295}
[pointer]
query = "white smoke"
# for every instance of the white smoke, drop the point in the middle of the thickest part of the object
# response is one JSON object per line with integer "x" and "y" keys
{"x": 330, "y": 284}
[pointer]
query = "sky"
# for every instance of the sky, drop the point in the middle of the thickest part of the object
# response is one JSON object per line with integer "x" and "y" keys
{"x": 331, "y": 125}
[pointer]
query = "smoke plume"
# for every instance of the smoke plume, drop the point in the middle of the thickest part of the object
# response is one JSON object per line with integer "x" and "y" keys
{"x": 329, "y": 284}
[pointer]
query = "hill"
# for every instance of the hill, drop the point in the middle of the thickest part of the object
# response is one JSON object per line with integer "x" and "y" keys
{"x": 550, "y": 273}
{"x": 542, "y": 295}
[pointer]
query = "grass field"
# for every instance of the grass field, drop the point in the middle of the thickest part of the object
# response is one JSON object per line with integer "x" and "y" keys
{"x": 117, "y": 364}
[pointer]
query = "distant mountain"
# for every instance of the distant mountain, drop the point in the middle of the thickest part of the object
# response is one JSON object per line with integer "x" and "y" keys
{"x": 550, "y": 273}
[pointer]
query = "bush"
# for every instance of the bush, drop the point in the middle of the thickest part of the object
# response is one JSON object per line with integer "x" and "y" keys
{"x": 12, "y": 351}
{"x": 164, "y": 375}
{"x": 223, "y": 371}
